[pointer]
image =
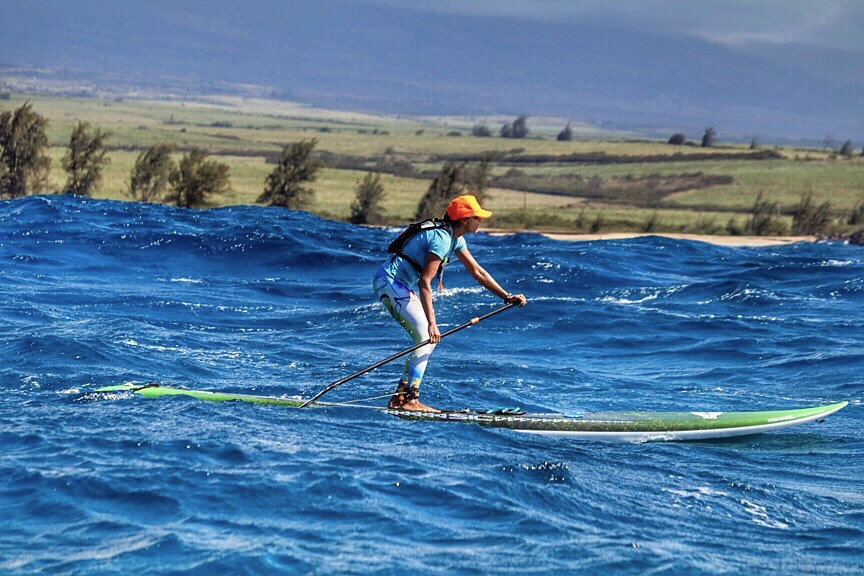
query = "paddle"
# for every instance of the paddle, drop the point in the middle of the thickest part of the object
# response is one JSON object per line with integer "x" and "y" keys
{"x": 333, "y": 385}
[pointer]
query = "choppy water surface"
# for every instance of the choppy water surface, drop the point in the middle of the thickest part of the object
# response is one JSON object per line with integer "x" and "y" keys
{"x": 274, "y": 302}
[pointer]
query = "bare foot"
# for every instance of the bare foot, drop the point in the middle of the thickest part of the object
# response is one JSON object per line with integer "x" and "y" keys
{"x": 396, "y": 402}
{"x": 413, "y": 405}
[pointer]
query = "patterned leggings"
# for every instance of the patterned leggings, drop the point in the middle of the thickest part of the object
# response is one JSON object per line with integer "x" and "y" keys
{"x": 404, "y": 305}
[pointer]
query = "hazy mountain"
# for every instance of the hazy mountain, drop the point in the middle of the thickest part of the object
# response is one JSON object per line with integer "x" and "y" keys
{"x": 351, "y": 54}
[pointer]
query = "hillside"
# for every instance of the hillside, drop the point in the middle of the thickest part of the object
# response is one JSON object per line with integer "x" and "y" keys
{"x": 353, "y": 55}
{"x": 595, "y": 183}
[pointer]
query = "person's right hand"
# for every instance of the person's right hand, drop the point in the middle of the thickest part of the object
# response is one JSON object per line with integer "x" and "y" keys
{"x": 518, "y": 299}
{"x": 434, "y": 333}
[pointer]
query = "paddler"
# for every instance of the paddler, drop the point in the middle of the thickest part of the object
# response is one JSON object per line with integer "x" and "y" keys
{"x": 419, "y": 255}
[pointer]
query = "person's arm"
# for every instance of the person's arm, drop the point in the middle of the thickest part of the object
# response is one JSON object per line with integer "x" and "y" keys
{"x": 486, "y": 280}
{"x": 424, "y": 286}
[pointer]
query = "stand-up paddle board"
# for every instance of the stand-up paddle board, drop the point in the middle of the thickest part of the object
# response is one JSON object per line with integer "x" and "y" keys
{"x": 610, "y": 426}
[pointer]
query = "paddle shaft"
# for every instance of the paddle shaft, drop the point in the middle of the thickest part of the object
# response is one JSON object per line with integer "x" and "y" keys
{"x": 471, "y": 322}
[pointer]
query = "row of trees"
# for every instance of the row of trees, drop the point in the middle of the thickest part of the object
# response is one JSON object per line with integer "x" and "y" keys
{"x": 847, "y": 149}
{"x": 25, "y": 163}
{"x": 679, "y": 139}
{"x": 195, "y": 179}
{"x": 808, "y": 218}
{"x": 192, "y": 181}
{"x": 156, "y": 176}
{"x": 517, "y": 129}
{"x": 766, "y": 219}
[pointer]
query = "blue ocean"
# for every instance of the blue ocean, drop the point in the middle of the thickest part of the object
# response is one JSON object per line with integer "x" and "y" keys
{"x": 268, "y": 301}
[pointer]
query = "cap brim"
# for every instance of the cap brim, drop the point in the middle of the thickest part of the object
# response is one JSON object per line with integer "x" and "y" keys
{"x": 482, "y": 213}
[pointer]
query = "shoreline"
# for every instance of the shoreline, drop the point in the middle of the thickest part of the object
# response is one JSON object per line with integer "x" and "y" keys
{"x": 719, "y": 240}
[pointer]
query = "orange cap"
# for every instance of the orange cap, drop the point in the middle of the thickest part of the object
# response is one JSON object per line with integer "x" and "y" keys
{"x": 465, "y": 206}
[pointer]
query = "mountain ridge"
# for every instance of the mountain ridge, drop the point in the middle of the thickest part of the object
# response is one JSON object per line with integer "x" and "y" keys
{"x": 354, "y": 55}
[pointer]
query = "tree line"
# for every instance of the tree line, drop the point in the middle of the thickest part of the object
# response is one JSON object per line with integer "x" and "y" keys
{"x": 191, "y": 182}
{"x": 680, "y": 139}
{"x": 195, "y": 179}
{"x": 518, "y": 128}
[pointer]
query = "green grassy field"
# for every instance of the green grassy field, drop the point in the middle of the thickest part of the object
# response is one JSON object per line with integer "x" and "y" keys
{"x": 244, "y": 132}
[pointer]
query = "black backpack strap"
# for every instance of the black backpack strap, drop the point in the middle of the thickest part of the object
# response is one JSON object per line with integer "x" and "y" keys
{"x": 410, "y": 261}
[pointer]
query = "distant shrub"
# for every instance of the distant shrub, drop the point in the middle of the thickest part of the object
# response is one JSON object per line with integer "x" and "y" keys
{"x": 677, "y": 139}
{"x": 733, "y": 228}
{"x": 454, "y": 134}
{"x": 846, "y": 150}
{"x": 196, "y": 179}
{"x": 651, "y": 223}
{"x": 477, "y": 179}
{"x": 85, "y": 159}
{"x": 599, "y": 222}
{"x": 24, "y": 159}
{"x": 481, "y": 130}
{"x": 764, "y": 218}
{"x": 566, "y": 135}
{"x": 580, "y": 218}
{"x": 708, "y": 138}
{"x": 447, "y": 185}
{"x": 152, "y": 172}
{"x": 286, "y": 186}
{"x": 810, "y": 219}
{"x": 5, "y": 96}
{"x": 518, "y": 129}
{"x": 366, "y": 208}
{"x": 856, "y": 215}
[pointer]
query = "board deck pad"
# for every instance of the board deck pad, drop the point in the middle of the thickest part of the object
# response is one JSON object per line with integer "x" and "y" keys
{"x": 613, "y": 426}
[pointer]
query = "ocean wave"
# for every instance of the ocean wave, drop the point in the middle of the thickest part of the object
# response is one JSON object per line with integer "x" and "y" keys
{"x": 274, "y": 302}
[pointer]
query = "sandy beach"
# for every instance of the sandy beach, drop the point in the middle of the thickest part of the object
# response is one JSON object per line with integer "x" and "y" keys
{"x": 709, "y": 238}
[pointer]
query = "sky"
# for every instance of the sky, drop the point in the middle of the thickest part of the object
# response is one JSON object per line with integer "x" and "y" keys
{"x": 822, "y": 23}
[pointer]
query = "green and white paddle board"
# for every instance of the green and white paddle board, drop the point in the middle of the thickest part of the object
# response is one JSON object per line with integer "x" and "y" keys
{"x": 608, "y": 426}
